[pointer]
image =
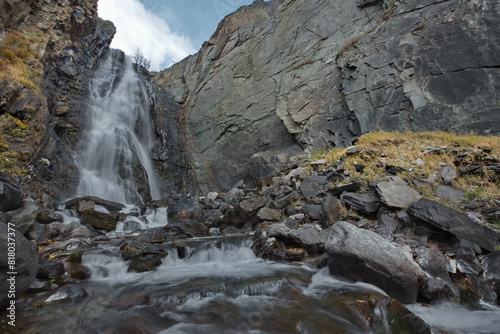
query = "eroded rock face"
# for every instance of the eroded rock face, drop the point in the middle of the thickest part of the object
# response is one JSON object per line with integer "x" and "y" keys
{"x": 281, "y": 77}
{"x": 66, "y": 40}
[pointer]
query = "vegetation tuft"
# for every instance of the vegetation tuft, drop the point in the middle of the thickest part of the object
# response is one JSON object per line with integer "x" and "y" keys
{"x": 419, "y": 158}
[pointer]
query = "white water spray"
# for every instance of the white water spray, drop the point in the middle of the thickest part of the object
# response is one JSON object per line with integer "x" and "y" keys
{"x": 119, "y": 137}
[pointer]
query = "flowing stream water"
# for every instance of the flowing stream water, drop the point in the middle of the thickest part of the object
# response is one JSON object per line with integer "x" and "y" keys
{"x": 204, "y": 285}
{"x": 119, "y": 137}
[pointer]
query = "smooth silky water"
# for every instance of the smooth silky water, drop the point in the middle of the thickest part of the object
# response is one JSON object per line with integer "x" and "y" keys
{"x": 219, "y": 285}
{"x": 119, "y": 136}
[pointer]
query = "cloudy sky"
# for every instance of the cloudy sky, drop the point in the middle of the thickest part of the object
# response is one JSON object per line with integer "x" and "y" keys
{"x": 166, "y": 31}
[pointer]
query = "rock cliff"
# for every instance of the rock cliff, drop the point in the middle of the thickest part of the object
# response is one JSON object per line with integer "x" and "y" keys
{"x": 49, "y": 50}
{"x": 285, "y": 77}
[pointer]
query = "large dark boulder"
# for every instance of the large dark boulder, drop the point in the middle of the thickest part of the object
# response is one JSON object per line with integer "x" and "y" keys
{"x": 25, "y": 264}
{"x": 362, "y": 255}
{"x": 11, "y": 194}
{"x": 454, "y": 222}
{"x": 24, "y": 217}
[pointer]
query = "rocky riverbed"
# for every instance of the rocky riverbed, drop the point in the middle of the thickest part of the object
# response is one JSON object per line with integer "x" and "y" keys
{"x": 314, "y": 216}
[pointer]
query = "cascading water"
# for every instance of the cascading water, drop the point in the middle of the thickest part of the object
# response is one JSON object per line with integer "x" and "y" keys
{"x": 119, "y": 137}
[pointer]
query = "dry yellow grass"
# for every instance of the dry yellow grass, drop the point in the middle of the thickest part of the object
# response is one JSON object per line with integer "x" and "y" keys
{"x": 19, "y": 57}
{"x": 20, "y": 54}
{"x": 412, "y": 153}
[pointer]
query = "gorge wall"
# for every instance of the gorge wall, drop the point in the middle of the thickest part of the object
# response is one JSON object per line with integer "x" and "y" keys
{"x": 277, "y": 79}
{"x": 285, "y": 77}
{"x": 49, "y": 52}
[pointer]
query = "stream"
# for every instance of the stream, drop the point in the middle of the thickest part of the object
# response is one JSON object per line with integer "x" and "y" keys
{"x": 218, "y": 285}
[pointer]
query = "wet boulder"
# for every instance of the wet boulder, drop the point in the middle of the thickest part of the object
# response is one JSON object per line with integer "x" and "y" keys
{"x": 66, "y": 293}
{"x": 11, "y": 194}
{"x": 143, "y": 256}
{"x": 109, "y": 205}
{"x": 25, "y": 265}
{"x": 376, "y": 312}
{"x": 437, "y": 285}
{"x": 474, "y": 290}
{"x": 491, "y": 270}
{"x": 148, "y": 262}
{"x": 77, "y": 230}
{"x": 47, "y": 216}
{"x": 188, "y": 208}
{"x": 49, "y": 268}
{"x": 99, "y": 220}
{"x": 362, "y": 255}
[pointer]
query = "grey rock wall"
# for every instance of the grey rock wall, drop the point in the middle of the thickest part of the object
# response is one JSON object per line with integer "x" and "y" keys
{"x": 281, "y": 78}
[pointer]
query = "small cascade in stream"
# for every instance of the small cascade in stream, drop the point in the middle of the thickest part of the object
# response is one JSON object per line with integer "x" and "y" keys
{"x": 119, "y": 137}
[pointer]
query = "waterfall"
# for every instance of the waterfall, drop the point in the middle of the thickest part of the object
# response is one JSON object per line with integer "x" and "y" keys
{"x": 116, "y": 146}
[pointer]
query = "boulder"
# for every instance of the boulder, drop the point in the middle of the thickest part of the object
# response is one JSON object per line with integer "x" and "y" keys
{"x": 25, "y": 265}
{"x": 45, "y": 231}
{"x": 312, "y": 211}
{"x": 309, "y": 237}
{"x": 134, "y": 249}
{"x": 76, "y": 230}
{"x": 362, "y": 255}
{"x": 47, "y": 216}
{"x": 448, "y": 174}
{"x": 491, "y": 269}
{"x": 310, "y": 188}
{"x": 11, "y": 194}
{"x": 454, "y": 222}
{"x": 332, "y": 210}
{"x": 361, "y": 202}
{"x": 269, "y": 214}
{"x": 49, "y": 268}
{"x": 449, "y": 193}
{"x": 188, "y": 208}
{"x": 146, "y": 262}
{"x": 143, "y": 256}
{"x": 109, "y": 205}
{"x": 24, "y": 217}
{"x": 66, "y": 293}
{"x": 99, "y": 220}
{"x": 279, "y": 231}
{"x": 396, "y": 193}
{"x": 474, "y": 291}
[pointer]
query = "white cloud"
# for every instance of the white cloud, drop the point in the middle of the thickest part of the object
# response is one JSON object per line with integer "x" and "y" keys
{"x": 138, "y": 28}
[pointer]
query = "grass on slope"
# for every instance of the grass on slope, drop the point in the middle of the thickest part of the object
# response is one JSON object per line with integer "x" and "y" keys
{"x": 421, "y": 156}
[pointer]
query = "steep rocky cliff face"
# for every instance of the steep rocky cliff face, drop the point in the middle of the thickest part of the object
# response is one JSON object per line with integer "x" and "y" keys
{"x": 285, "y": 77}
{"x": 49, "y": 50}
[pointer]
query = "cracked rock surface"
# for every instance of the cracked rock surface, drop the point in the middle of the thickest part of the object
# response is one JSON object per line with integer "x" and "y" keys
{"x": 281, "y": 77}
